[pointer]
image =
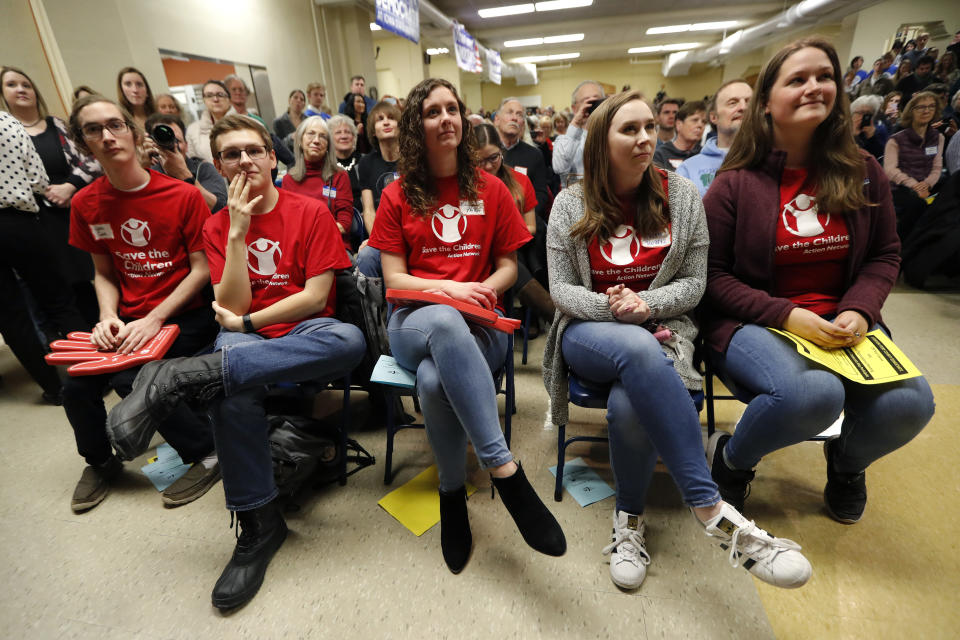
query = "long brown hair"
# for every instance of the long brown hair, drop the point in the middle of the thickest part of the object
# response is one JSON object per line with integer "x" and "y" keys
{"x": 149, "y": 108}
{"x": 42, "y": 110}
{"x": 602, "y": 211}
{"x": 484, "y": 134}
{"x": 417, "y": 183}
{"x": 835, "y": 162}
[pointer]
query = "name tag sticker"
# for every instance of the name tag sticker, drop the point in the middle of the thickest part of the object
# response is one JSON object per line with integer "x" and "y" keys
{"x": 471, "y": 208}
{"x": 102, "y": 231}
{"x": 653, "y": 242}
{"x": 522, "y": 170}
{"x": 329, "y": 192}
{"x": 931, "y": 151}
{"x": 396, "y": 176}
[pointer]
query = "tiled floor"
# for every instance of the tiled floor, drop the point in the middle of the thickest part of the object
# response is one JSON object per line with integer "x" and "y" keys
{"x": 133, "y": 569}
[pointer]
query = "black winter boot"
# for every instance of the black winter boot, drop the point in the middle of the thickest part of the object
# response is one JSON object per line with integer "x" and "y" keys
{"x": 455, "y": 537}
{"x": 536, "y": 524}
{"x": 262, "y": 532}
{"x": 157, "y": 390}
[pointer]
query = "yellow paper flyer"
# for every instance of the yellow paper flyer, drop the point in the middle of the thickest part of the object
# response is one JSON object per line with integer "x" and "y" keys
{"x": 874, "y": 361}
{"x": 416, "y": 504}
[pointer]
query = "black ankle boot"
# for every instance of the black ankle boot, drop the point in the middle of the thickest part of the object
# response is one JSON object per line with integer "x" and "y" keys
{"x": 537, "y": 525}
{"x": 157, "y": 390}
{"x": 455, "y": 537}
{"x": 262, "y": 531}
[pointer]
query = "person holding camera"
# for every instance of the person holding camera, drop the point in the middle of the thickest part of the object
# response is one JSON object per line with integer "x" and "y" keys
{"x": 166, "y": 147}
{"x": 568, "y": 147}
{"x": 868, "y": 130}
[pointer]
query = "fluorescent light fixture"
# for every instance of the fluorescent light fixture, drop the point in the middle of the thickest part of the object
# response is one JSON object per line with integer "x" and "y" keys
{"x": 677, "y": 28}
{"x": 713, "y": 26}
{"x": 555, "y": 56}
{"x": 532, "y": 42}
{"x": 553, "y": 5}
{"x": 697, "y": 26}
{"x": 680, "y": 46}
{"x": 375, "y": 27}
{"x": 437, "y": 52}
{"x": 570, "y": 37}
{"x": 509, "y": 10}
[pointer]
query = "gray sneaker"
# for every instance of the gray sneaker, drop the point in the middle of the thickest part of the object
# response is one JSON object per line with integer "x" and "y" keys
{"x": 191, "y": 485}
{"x": 94, "y": 484}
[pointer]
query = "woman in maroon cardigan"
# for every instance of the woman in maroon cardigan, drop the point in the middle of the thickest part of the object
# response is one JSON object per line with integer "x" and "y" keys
{"x": 315, "y": 173}
{"x": 802, "y": 238}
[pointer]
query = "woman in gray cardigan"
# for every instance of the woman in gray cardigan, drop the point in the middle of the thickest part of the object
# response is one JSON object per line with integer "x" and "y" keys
{"x": 627, "y": 257}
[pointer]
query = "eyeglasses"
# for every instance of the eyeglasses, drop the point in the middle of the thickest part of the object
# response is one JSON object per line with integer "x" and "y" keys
{"x": 213, "y": 96}
{"x": 233, "y": 156}
{"x": 924, "y": 107}
{"x": 94, "y": 130}
{"x": 491, "y": 159}
{"x": 312, "y": 135}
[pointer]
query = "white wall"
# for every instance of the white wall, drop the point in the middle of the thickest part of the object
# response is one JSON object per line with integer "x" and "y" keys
{"x": 879, "y": 23}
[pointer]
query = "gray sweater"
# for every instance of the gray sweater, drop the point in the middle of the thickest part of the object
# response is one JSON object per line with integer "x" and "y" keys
{"x": 675, "y": 290}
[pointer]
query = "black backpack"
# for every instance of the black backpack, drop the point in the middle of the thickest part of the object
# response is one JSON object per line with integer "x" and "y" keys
{"x": 306, "y": 455}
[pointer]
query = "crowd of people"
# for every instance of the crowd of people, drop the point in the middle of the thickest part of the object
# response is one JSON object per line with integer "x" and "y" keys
{"x": 635, "y": 230}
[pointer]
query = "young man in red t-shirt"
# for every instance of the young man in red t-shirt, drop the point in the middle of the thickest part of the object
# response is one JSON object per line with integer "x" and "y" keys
{"x": 143, "y": 230}
{"x": 272, "y": 258}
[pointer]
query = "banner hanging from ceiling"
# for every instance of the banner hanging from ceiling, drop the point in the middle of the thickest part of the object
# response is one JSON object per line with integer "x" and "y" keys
{"x": 401, "y": 17}
{"x": 493, "y": 66}
{"x": 467, "y": 50}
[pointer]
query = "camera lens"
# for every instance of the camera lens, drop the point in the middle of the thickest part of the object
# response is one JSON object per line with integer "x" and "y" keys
{"x": 164, "y": 137}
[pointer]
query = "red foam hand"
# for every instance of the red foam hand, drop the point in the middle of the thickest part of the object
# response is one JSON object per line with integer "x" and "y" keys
{"x": 474, "y": 313}
{"x": 78, "y": 351}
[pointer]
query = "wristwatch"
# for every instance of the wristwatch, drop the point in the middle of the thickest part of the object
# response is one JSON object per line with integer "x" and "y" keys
{"x": 248, "y": 324}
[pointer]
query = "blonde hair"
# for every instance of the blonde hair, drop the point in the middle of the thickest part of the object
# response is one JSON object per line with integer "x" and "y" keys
{"x": 299, "y": 169}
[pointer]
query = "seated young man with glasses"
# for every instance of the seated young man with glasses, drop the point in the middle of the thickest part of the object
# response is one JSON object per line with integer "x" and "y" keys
{"x": 272, "y": 258}
{"x": 144, "y": 231}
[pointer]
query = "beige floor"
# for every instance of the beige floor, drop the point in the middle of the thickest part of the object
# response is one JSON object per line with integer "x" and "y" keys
{"x": 133, "y": 569}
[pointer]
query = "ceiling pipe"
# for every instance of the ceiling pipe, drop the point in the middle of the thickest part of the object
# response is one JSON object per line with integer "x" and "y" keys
{"x": 803, "y": 14}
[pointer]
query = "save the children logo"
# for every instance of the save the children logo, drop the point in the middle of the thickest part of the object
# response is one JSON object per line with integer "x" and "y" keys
{"x": 135, "y": 232}
{"x": 622, "y": 247}
{"x": 801, "y": 217}
{"x": 263, "y": 256}
{"x": 448, "y": 224}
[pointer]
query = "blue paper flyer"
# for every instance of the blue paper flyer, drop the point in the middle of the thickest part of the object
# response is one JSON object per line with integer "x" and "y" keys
{"x": 583, "y": 483}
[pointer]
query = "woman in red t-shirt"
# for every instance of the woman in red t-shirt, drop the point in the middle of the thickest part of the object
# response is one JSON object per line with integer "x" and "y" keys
{"x": 527, "y": 289}
{"x": 802, "y": 238}
{"x": 448, "y": 228}
{"x": 627, "y": 250}
{"x": 315, "y": 173}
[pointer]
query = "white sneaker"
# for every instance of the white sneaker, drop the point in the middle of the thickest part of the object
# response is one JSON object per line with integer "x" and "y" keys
{"x": 777, "y": 561}
{"x": 628, "y": 555}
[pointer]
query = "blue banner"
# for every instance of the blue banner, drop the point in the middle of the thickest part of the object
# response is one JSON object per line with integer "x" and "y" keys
{"x": 467, "y": 50}
{"x": 493, "y": 66}
{"x": 401, "y": 17}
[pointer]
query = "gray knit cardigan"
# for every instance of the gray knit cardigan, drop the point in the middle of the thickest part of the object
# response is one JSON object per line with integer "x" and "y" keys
{"x": 676, "y": 289}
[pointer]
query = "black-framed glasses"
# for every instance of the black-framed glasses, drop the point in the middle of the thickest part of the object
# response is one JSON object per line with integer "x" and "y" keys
{"x": 213, "y": 96}
{"x": 94, "y": 130}
{"x": 232, "y": 156}
{"x": 492, "y": 159}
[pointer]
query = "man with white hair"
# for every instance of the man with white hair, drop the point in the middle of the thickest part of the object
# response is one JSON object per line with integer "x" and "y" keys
{"x": 523, "y": 157}
{"x": 239, "y": 92}
{"x": 568, "y": 148}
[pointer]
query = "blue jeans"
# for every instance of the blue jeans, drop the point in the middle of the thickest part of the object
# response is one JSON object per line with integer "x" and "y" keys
{"x": 454, "y": 361}
{"x": 648, "y": 411}
{"x": 321, "y": 349}
{"x": 368, "y": 262}
{"x": 791, "y": 399}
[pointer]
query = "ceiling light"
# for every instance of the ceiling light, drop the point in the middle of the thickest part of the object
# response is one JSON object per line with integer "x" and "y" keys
{"x": 555, "y": 56}
{"x": 375, "y": 27}
{"x": 570, "y": 37}
{"x": 713, "y": 26}
{"x": 510, "y": 10}
{"x": 680, "y": 46}
{"x": 437, "y": 52}
{"x": 527, "y": 42}
{"x": 553, "y": 5}
{"x": 677, "y": 28}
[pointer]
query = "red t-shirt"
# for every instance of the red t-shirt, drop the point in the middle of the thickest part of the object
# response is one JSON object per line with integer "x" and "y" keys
{"x": 460, "y": 240}
{"x": 812, "y": 246}
{"x": 627, "y": 258}
{"x": 294, "y": 242}
{"x": 529, "y": 195}
{"x": 148, "y": 234}
{"x": 337, "y": 197}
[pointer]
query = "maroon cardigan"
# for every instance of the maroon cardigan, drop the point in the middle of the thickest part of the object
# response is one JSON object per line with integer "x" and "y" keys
{"x": 742, "y": 210}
